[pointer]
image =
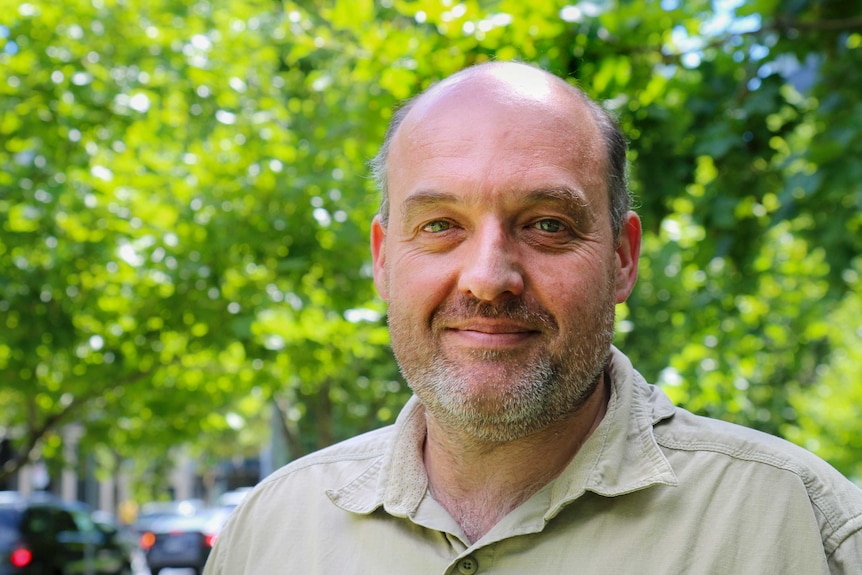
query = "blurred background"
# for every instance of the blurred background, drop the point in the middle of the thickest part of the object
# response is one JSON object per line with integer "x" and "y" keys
{"x": 185, "y": 292}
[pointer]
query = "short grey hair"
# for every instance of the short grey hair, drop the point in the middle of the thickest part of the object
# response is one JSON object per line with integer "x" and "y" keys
{"x": 616, "y": 146}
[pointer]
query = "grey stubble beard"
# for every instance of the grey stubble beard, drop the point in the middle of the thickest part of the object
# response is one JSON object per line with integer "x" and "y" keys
{"x": 542, "y": 387}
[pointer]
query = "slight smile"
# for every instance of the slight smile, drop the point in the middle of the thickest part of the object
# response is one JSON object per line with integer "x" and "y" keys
{"x": 491, "y": 334}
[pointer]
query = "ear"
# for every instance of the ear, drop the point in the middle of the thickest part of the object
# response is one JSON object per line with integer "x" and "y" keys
{"x": 628, "y": 252}
{"x": 378, "y": 256}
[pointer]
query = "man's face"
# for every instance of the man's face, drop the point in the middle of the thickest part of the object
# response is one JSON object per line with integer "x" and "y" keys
{"x": 498, "y": 261}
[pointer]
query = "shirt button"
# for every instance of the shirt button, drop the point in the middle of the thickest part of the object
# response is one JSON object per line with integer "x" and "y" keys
{"x": 468, "y": 565}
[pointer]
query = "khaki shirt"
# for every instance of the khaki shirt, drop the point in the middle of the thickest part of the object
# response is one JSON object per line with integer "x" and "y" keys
{"x": 654, "y": 490}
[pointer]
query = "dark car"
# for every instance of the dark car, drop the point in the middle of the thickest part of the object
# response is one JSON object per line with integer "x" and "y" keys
{"x": 183, "y": 542}
{"x": 155, "y": 511}
{"x": 46, "y": 536}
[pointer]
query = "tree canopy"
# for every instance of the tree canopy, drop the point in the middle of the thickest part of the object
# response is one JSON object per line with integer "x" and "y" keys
{"x": 185, "y": 205}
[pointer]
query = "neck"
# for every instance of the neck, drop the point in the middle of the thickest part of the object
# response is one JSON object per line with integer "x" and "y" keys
{"x": 479, "y": 483}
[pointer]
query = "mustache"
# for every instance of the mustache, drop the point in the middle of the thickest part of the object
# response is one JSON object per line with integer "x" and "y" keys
{"x": 517, "y": 309}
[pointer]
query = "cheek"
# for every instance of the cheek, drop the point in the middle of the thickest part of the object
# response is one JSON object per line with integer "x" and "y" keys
{"x": 575, "y": 291}
{"x": 418, "y": 285}
{"x": 577, "y": 279}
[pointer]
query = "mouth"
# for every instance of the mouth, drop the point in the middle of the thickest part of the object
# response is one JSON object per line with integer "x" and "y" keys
{"x": 491, "y": 326}
{"x": 509, "y": 326}
{"x": 483, "y": 333}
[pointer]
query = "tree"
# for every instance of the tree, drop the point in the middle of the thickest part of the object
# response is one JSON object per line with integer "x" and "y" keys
{"x": 155, "y": 216}
{"x": 184, "y": 206}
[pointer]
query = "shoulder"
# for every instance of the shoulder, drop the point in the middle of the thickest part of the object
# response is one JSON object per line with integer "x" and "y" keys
{"x": 290, "y": 510}
{"x": 678, "y": 431}
{"x": 308, "y": 478}
{"x": 688, "y": 432}
{"x": 346, "y": 454}
{"x": 763, "y": 468}
{"x": 305, "y": 482}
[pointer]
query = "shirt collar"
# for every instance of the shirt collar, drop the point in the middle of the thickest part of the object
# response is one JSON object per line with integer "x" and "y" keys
{"x": 621, "y": 456}
{"x": 396, "y": 480}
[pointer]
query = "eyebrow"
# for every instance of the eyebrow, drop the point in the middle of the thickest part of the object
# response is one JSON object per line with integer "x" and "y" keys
{"x": 423, "y": 200}
{"x": 563, "y": 197}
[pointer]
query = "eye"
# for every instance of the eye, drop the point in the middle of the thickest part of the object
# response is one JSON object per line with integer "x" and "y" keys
{"x": 436, "y": 226}
{"x": 549, "y": 225}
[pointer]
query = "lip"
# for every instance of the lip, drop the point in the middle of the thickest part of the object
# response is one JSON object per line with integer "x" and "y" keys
{"x": 489, "y": 334}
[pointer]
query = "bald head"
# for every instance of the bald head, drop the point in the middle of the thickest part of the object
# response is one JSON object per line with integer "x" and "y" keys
{"x": 486, "y": 94}
{"x": 509, "y": 81}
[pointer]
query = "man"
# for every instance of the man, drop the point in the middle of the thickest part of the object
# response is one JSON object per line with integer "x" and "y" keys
{"x": 503, "y": 244}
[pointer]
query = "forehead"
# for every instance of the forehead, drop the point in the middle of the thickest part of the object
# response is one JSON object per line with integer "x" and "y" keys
{"x": 489, "y": 134}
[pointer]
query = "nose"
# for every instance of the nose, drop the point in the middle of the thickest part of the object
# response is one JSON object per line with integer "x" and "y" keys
{"x": 491, "y": 267}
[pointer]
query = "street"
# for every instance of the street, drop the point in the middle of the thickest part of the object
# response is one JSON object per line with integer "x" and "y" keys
{"x": 139, "y": 567}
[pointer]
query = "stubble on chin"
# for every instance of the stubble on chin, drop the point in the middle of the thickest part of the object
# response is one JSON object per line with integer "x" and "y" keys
{"x": 497, "y": 396}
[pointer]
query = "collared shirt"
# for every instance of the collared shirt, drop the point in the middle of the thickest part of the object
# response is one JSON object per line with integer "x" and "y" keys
{"x": 654, "y": 490}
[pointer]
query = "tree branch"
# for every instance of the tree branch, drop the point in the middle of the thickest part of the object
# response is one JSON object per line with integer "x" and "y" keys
{"x": 24, "y": 455}
{"x": 818, "y": 26}
{"x": 36, "y": 432}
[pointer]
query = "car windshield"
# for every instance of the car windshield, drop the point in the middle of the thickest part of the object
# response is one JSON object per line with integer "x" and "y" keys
{"x": 156, "y": 513}
{"x": 214, "y": 518}
{"x": 166, "y": 508}
{"x": 10, "y": 518}
{"x": 206, "y": 521}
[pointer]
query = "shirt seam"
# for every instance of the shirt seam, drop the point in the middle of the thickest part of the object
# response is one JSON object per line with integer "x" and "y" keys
{"x": 753, "y": 456}
{"x": 779, "y": 463}
{"x": 853, "y": 525}
{"x": 305, "y": 463}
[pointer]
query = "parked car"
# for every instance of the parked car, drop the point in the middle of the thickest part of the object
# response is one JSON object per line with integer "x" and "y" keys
{"x": 183, "y": 542}
{"x": 155, "y": 511}
{"x": 233, "y": 498}
{"x": 124, "y": 536}
{"x": 43, "y": 535}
